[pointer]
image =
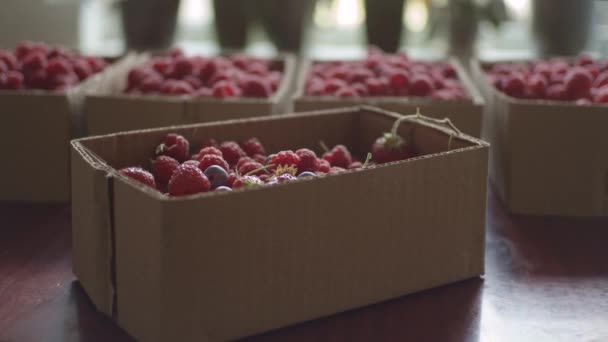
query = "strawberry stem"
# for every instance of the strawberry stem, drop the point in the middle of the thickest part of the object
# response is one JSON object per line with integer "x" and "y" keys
{"x": 323, "y": 146}
{"x": 367, "y": 159}
{"x": 398, "y": 122}
{"x": 263, "y": 168}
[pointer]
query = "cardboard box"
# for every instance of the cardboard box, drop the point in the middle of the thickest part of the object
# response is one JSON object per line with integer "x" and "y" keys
{"x": 465, "y": 114}
{"x": 220, "y": 266}
{"x": 547, "y": 157}
{"x": 108, "y": 110}
{"x": 36, "y": 130}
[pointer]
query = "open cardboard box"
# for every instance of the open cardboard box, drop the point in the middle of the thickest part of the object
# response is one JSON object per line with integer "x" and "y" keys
{"x": 465, "y": 114}
{"x": 219, "y": 266}
{"x": 109, "y": 110}
{"x": 36, "y": 130}
{"x": 547, "y": 157}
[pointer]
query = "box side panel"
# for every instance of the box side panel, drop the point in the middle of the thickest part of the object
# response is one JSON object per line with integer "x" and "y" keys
{"x": 91, "y": 230}
{"x": 557, "y": 163}
{"x": 214, "y": 110}
{"x": 36, "y": 129}
{"x": 251, "y": 262}
{"x": 137, "y": 218}
{"x": 110, "y": 114}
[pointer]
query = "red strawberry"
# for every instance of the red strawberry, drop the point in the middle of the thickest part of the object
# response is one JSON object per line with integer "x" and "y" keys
{"x": 339, "y": 156}
{"x": 253, "y": 146}
{"x": 391, "y": 146}
{"x": 285, "y": 158}
{"x": 188, "y": 180}
{"x": 139, "y": 175}
{"x": 308, "y": 160}
{"x": 163, "y": 168}
{"x": 232, "y": 152}
{"x": 212, "y": 159}
{"x": 174, "y": 145}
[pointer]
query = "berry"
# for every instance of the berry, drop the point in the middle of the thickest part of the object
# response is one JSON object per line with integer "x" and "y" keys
{"x": 601, "y": 96}
{"x": 232, "y": 152}
{"x": 14, "y": 80}
{"x": 96, "y": 64}
{"x": 163, "y": 168}
{"x": 174, "y": 145}
{"x": 182, "y": 66}
{"x": 601, "y": 80}
{"x": 355, "y": 165}
{"x": 391, "y": 146}
{"x": 187, "y": 180}
{"x": 537, "y": 86}
{"x": 253, "y": 146}
{"x": 248, "y": 167}
{"x": 286, "y": 177}
{"x": 9, "y": 60}
{"x": 191, "y": 162}
{"x": 242, "y": 161}
{"x": 139, "y": 175}
{"x": 583, "y": 102}
{"x": 210, "y": 143}
{"x": 82, "y": 69}
{"x": 584, "y": 60}
{"x": 208, "y": 150}
{"x": 336, "y": 169}
{"x": 377, "y": 86}
{"x": 308, "y": 160}
{"x": 285, "y": 158}
{"x": 176, "y": 87}
{"x": 194, "y": 82}
{"x": 399, "y": 80}
{"x": 346, "y": 92}
{"x": 324, "y": 166}
{"x": 255, "y": 86}
{"x": 421, "y": 85}
{"x": 260, "y": 158}
{"x": 578, "y": 82}
{"x": 556, "y": 92}
{"x": 514, "y": 85}
{"x": 332, "y": 85}
{"x": 246, "y": 182}
{"x": 34, "y": 61}
{"x": 151, "y": 84}
{"x": 339, "y": 156}
{"x": 231, "y": 178}
{"x": 307, "y": 174}
{"x": 212, "y": 159}
{"x": 223, "y": 188}
{"x": 216, "y": 175}
{"x": 58, "y": 66}
{"x": 224, "y": 89}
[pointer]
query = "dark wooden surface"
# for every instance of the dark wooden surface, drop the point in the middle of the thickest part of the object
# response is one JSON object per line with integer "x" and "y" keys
{"x": 546, "y": 280}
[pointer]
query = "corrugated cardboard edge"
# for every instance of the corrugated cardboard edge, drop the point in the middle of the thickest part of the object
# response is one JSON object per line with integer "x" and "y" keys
{"x": 466, "y": 115}
{"x": 96, "y": 204}
{"x": 92, "y": 238}
{"x": 109, "y": 111}
{"x": 511, "y": 125}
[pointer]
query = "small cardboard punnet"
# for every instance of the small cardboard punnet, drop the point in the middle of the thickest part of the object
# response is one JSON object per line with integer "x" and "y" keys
{"x": 547, "y": 157}
{"x": 109, "y": 110}
{"x": 220, "y": 266}
{"x": 36, "y": 130}
{"x": 465, "y": 114}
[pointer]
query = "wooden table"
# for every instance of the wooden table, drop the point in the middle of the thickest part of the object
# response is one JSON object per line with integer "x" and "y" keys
{"x": 546, "y": 280}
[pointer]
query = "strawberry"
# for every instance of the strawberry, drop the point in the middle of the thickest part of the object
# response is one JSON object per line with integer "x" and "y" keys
{"x": 391, "y": 146}
{"x": 163, "y": 168}
{"x": 175, "y": 146}
{"x": 140, "y": 175}
{"x": 188, "y": 180}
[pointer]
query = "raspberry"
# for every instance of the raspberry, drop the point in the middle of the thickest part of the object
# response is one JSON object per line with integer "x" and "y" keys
{"x": 260, "y": 158}
{"x": 191, "y": 162}
{"x": 324, "y": 166}
{"x": 182, "y": 66}
{"x": 208, "y": 150}
{"x": 246, "y": 182}
{"x": 34, "y": 61}
{"x": 176, "y": 87}
{"x": 224, "y": 89}
{"x": 257, "y": 68}
{"x": 556, "y": 92}
{"x": 308, "y": 160}
{"x": 247, "y": 167}
{"x": 360, "y": 89}
{"x": 193, "y": 81}
{"x": 285, "y": 158}
{"x": 163, "y": 168}
{"x": 162, "y": 65}
{"x": 212, "y": 159}
{"x": 242, "y": 161}
{"x": 139, "y": 175}
{"x": 286, "y": 177}
{"x": 346, "y": 92}
{"x": 601, "y": 96}
{"x": 176, "y": 52}
{"x": 537, "y": 86}
{"x": 37, "y": 79}
{"x": 3, "y": 67}
{"x": 231, "y": 178}
{"x": 332, "y": 85}
{"x": 514, "y": 85}
{"x": 543, "y": 69}
{"x": 174, "y": 145}
{"x": 96, "y": 64}
{"x": 151, "y": 84}
{"x": 377, "y": 86}
{"x": 14, "y": 80}
{"x": 58, "y": 66}
{"x": 421, "y": 85}
{"x": 275, "y": 78}
{"x": 255, "y": 86}
{"x": 449, "y": 71}
{"x": 9, "y": 59}
{"x": 583, "y": 60}
{"x": 82, "y": 69}
{"x": 188, "y": 180}
{"x": 232, "y": 152}
{"x": 339, "y": 156}
{"x": 62, "y": 81}
{"x": 578, "y": 82}
{"x": 359, "y": 75}
{"x": 253, "y": 146}
{"x": 135, "y": 76}
{"x": 399, "y": 80}
{"x": 203, "y": 92}
{"x": 24, "y": 48}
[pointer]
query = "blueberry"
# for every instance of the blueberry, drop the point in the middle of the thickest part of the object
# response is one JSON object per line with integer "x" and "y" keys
{"x": 217, "y": 175}
{"x": 306, "y": 174}
{"x": 223, "y": 188}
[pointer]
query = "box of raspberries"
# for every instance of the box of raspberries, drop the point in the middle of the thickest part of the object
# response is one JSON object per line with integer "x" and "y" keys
{"x": 393, "y": 82}
{"x": 547, "y": 121}
{"x": 175, "y": 88}
{"x": 41, "y": 90}
{"x": 229, "y": 229}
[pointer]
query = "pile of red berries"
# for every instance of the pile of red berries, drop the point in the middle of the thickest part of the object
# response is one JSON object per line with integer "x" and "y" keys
{"x": 230, "y": 165}
{"x": 381, "y": 74}
{"x": 40, "y": 66}
{"x": 221, "y": 77}
{"x": 583, "y": 80}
